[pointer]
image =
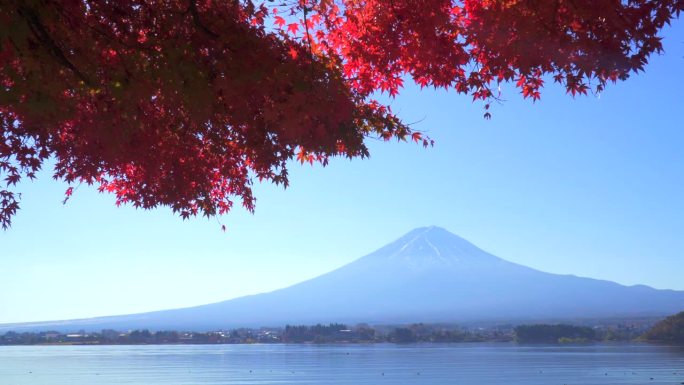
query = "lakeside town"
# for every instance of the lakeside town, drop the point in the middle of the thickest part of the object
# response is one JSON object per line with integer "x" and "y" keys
{"x": 342, "y": 333}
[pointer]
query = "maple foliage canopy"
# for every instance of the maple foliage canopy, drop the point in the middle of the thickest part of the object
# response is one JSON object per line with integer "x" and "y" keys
{"x": 182, "y": 103}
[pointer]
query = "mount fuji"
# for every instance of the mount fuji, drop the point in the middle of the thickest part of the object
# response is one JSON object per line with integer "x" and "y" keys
{"x": 427, "y": 275}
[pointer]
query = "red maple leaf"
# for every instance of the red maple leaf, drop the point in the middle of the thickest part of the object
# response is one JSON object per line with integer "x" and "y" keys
{"x": 293, "y": 28}
{"x": 279, "y": 21}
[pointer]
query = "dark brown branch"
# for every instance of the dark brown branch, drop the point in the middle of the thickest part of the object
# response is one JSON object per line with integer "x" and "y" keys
{"x": 198, "y": 22}
{"x": 306, "y": 27}
{"x": 41, "y": 33}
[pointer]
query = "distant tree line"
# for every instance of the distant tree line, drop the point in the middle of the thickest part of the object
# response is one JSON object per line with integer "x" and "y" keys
{"x": 319, "y": 333}
{"x": 333, "y": 332}
{"x": 141, "y": 337}
{"x": 560, "y": 333}
{"x": 669, "y": 330}
{"x": 430, "y": 333}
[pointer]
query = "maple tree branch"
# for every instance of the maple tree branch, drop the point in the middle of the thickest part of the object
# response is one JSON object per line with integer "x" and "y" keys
{"x": 192, "y": 8}
{"x": 41, "y": 33}
{"x": 122, "y": 42}
{"x": 306, "y": 27}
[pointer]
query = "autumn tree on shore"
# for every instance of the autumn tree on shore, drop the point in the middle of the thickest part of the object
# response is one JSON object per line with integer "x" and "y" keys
{"x": 669, "y": 330}
{"x": 181, "y": 103}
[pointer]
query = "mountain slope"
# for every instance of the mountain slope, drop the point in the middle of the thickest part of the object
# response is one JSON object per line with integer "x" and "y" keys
{"x": 428, "y": 275}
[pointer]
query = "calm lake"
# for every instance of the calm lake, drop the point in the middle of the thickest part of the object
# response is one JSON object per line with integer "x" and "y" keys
{"x": 453, "y": 364}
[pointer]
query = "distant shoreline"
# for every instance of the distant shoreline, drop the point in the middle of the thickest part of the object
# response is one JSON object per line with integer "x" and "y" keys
{"x": 342, "y": 343}
{"x": 337, "y": 333}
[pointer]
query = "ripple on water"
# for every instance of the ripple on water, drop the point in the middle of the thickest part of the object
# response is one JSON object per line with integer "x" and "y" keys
{"x": 434, "y": 364}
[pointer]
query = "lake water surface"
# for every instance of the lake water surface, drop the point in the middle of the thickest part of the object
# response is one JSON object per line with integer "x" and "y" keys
{"x": 434, "y": 364}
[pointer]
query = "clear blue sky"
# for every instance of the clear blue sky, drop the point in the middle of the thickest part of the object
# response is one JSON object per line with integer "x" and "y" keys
{"x": 592, "y": 187}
